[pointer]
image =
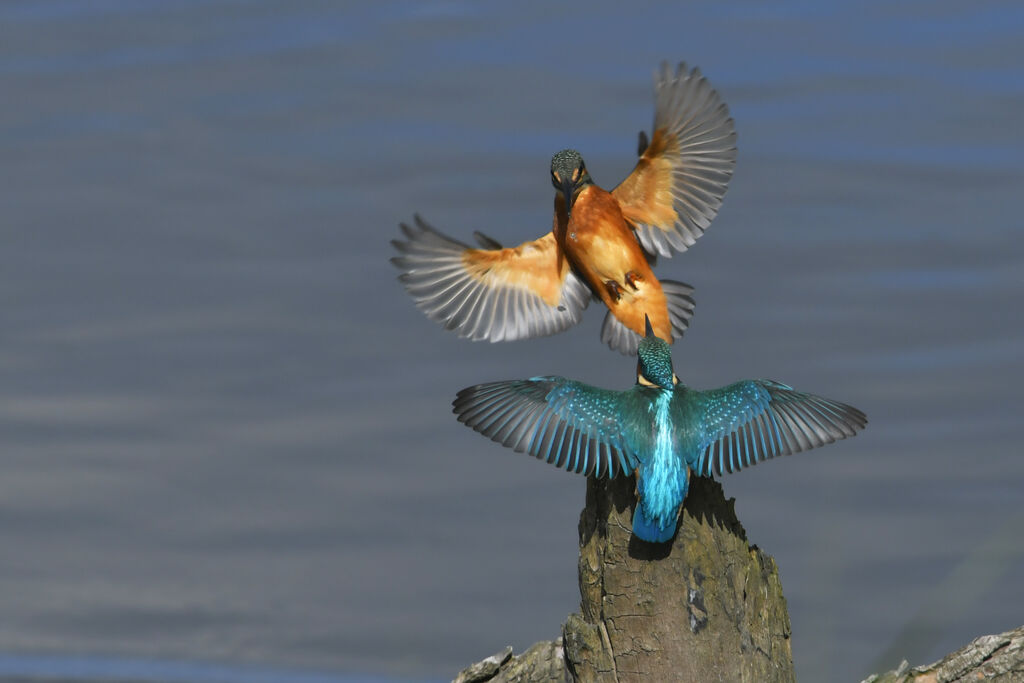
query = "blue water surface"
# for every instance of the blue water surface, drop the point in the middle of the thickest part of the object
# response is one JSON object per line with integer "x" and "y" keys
{"x": 225, "y": 431}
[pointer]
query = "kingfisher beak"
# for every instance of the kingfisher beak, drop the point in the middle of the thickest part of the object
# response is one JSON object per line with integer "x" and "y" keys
{"x": 648, "y": 330}
{"x": 569, "y": 192}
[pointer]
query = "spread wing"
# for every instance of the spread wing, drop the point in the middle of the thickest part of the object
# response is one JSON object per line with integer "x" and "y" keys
{"x": 677, "y": 185}
{"x": 565, "y": 423}
{"x": 492, "y": 293}
{"x": 754, "y": 420}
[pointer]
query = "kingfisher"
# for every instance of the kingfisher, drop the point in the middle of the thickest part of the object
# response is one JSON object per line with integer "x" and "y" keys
{"x": 660, "y": 430}
{"x": 601, "y": 243}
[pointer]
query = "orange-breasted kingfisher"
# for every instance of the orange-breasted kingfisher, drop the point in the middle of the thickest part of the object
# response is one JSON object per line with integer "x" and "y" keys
{"x": 660, "y": 430}
{"x": 601, "y": 243}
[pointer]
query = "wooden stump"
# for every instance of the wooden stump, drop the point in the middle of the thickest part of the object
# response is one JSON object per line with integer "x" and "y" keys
{"x": 706, "y": 606}
{"x": 996, "y": 659}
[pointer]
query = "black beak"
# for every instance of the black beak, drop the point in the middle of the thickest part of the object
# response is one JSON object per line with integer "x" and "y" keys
{"x": 648, "y": 331}
{"x": 569, "y": 191}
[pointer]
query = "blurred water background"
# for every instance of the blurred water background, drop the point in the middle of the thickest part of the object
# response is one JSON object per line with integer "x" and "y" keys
{"x": 225, "y": 431}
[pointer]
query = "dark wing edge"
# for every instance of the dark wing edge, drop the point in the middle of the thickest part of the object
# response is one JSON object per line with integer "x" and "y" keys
{"x": 435, "y": 276}
{"x": 773, "y": 419}
{"x": 565, "y": 423}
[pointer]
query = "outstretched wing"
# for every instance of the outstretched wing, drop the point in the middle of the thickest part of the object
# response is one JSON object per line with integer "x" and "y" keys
{"x": 755, "y": 420}
{"x": 493, "y": 293}
{"x": 566, "y": 423}
{"x": 677, "y": 185}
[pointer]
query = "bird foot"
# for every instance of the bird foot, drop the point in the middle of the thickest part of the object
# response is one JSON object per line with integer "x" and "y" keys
{"x": 632, "y": 278}
{"x": 613, "y": 289}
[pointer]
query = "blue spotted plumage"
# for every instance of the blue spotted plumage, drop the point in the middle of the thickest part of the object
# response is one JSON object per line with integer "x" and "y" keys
{"x": 660, "y": 430}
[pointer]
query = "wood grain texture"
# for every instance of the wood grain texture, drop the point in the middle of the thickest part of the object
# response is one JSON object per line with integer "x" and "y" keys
{"x": 707, "y": 606}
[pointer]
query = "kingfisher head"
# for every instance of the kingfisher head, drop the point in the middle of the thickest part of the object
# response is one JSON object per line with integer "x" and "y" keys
{"x": 569, "y": 175}
{"x": 654, "y": 361}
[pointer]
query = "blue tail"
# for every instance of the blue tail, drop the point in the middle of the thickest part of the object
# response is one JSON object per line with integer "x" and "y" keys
{"x": 651, "y": 530}
{"x": 659, "y": 499}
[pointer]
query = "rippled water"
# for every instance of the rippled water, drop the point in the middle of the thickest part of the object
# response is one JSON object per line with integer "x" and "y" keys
{"x": 226, "y": 434}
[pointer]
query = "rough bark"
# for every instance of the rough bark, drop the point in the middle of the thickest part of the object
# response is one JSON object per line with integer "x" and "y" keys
{"x": 707, "y": 606}
{"x": 542, "y": 663}
{"x": 997, "y": 658}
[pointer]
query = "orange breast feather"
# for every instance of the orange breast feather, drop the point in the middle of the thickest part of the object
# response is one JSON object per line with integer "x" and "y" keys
{"x": 604, "y": 249}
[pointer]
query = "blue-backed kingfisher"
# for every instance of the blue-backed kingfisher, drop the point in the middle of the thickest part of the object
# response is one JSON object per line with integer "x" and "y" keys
{"x": 659, "y": 430}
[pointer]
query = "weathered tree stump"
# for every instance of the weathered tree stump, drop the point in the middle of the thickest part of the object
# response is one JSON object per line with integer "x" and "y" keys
{"x": 998, "y": 658}
{"x": 706, "y": 606}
